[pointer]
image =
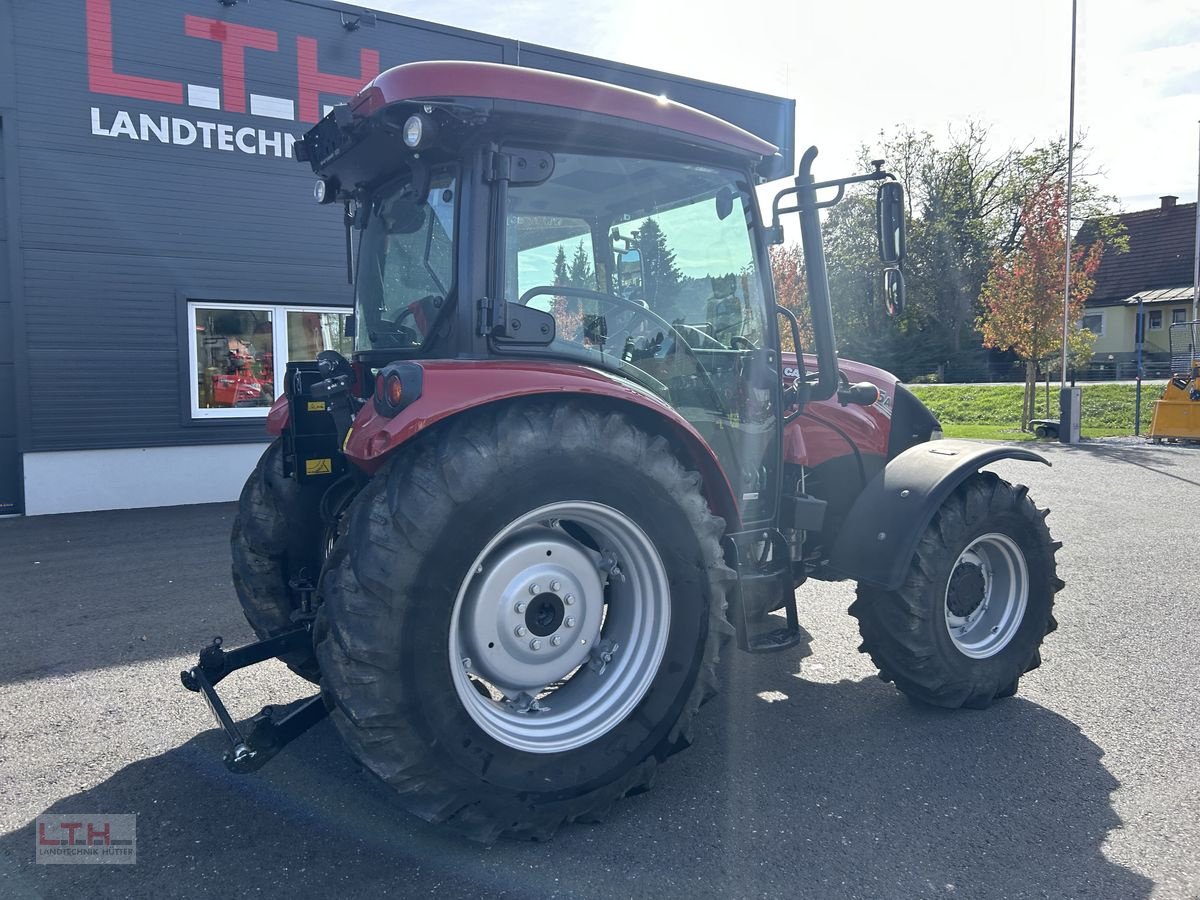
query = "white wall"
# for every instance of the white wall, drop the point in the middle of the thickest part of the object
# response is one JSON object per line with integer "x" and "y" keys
{"x": 85, "y": 480}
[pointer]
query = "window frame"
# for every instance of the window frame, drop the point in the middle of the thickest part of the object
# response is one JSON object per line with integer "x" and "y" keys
{"x": 1098, "y": 314}
{"x": 1182, "y": 314}
{"x": 1150, "y": 314}
{"x": 279, "y": 341}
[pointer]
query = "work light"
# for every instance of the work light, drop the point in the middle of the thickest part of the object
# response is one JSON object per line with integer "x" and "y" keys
{"x": 418, "y": 130}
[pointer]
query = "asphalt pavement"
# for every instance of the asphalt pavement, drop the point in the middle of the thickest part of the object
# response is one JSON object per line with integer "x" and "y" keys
{"x": 809, "y": 776}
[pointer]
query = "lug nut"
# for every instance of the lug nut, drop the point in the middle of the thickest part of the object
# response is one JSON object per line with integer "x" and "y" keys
{"x": 466, "y": 662}
{"x": 535, "y": 644}
{"x": 555, "y": 586}
{"x": 519, "y": 631}
{"x": 535, "y": 589}
{"x": 555, "y": 641}
{"x": 569, "y": 621}
{"x": 520, "y": 607}
{"x": 569, "y": 599}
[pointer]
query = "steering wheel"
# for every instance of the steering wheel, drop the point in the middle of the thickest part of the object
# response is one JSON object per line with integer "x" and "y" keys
{"x": 585, "y": 293}
{"x": 616, "y": 300}
{"x": 702, "y": 334}
{"x": 741, "y": 339}
{"x": 400, "y": 334}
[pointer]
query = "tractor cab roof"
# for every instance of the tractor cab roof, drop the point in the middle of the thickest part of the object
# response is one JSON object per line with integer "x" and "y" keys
{"x": 567, "y": 95}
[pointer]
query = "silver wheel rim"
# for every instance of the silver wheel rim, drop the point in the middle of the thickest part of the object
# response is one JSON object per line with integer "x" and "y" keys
{"x": 560, "y": 626}
{"x": 986, "y": 595}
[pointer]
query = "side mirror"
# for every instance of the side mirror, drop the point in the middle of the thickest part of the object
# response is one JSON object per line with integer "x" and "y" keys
{"x": 889, "y": 220}
{"x": 629, "y": 272}
{"x": 893, "y": 291}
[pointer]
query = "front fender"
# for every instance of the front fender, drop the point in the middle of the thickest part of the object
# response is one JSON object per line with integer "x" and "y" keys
{"x": 451, "y": 387}
{"x": 880, "y": 534}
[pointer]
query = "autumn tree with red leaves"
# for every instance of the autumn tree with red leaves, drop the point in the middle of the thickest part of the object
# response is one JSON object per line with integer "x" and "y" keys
{"x": 1023, "y": 293}
{"x": 791, "y": 292}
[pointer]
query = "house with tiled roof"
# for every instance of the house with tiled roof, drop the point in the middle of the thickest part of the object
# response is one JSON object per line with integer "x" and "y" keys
{"x": 1157, "y": 270}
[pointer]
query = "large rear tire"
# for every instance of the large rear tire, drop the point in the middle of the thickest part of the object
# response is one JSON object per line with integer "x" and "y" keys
{"x": 274, "y": 517}
{"x": 481, "y": 653}
{"x": 976, "y": 604}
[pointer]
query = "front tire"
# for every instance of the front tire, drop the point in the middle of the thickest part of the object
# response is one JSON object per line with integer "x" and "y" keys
{"x": 444, "y": 642}
{"x": 977, "y": 601}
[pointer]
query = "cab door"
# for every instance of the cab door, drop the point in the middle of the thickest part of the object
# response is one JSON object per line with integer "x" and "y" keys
{"x": 691, "y": 323}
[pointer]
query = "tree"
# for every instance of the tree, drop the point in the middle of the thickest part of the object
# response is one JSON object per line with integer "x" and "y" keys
{"x": 791, "y": 292}
{"x": 561, "y": 276}
{"x": 1023, "y": 293}
{"x": 579, "y": 272}
{"x": 662, "y": 276}
{"x": 964, "y": 201}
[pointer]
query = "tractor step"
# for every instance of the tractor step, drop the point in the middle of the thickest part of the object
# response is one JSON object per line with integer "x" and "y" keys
{"x": 761, "y": 588}
{"x": 772, "y": 640}
{"x": 272, "y": 728}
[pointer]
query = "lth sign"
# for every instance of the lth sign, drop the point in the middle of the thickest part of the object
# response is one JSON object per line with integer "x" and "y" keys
{"x": 234, "y": 44}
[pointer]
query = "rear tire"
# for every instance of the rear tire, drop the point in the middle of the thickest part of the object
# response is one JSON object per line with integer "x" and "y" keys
{"x": 976, "y": 603}
{"x": 455, "y": 522}
{"x": 273, "y": 513}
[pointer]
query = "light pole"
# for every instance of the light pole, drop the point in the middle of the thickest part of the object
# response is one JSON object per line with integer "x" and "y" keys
{"x": 1070, "y": 174}
{"x": 1068, "y": 398}
{"x": 1196, "y": 251}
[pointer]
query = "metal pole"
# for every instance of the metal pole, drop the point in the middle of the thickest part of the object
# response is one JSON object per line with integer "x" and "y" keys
{"x": 1139, "y": 331}
{"x": 1196, "y": 251}
{"x": 1070, "y": 172}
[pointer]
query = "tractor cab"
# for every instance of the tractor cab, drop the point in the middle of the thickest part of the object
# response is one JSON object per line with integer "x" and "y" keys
{"x": 514, "y": 214}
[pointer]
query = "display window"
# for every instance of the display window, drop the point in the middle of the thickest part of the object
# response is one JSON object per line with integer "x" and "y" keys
{"x": 238, "y": 352}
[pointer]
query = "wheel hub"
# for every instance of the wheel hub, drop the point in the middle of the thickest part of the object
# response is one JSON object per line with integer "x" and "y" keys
{"x": 519, "y": 634}
{"x": 967, "y": 588}
{"x": 545, "y": 614}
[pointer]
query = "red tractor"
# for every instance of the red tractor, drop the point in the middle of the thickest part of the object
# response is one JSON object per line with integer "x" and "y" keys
{"x": 568, "y": 460}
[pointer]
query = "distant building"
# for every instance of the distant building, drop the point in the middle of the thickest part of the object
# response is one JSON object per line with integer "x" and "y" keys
{"x": 1157, "y": 269}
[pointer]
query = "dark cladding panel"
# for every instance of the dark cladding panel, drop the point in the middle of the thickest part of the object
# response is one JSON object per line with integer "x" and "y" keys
{"x": 11, "y": 490}
{"x": 8, "y": 408}
{"x": 6, "y": 330}
{"x": 126, "y": 214}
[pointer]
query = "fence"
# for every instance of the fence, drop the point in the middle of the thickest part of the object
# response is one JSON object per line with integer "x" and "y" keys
{"x": 1097, "y": 370}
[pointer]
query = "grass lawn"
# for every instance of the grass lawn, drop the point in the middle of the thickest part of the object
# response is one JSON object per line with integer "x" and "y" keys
{"x": 993, "y": 412}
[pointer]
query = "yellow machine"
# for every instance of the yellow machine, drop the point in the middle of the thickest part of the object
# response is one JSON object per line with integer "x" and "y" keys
{"x": 1177, "y": 412}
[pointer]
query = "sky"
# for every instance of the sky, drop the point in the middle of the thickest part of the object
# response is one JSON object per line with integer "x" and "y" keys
{"x": 859, "y": 68}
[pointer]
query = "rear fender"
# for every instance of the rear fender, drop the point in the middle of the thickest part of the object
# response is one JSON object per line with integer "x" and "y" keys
{"x": 880, "y": 534}
{"x": 452, "y": 387}
{"x": 278, "y": 416}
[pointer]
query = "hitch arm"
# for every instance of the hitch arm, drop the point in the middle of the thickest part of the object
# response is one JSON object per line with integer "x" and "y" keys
{"x": 272, "y": 728}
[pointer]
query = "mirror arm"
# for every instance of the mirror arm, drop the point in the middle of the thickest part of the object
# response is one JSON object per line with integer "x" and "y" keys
{"x": 840, "y": 183}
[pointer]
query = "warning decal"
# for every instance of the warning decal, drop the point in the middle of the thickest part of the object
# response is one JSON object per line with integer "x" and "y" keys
{"x": 318, "y": 467}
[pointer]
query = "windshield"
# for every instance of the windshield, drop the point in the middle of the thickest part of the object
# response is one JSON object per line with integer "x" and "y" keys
{"x": 406, "y": 265}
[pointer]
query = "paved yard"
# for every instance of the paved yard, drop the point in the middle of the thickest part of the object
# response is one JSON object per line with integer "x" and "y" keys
{"x": 809, "y": 778}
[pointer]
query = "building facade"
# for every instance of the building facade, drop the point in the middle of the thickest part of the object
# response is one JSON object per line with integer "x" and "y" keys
{"x": 1156, "y": 272}
{"x": 161, "y": 257}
